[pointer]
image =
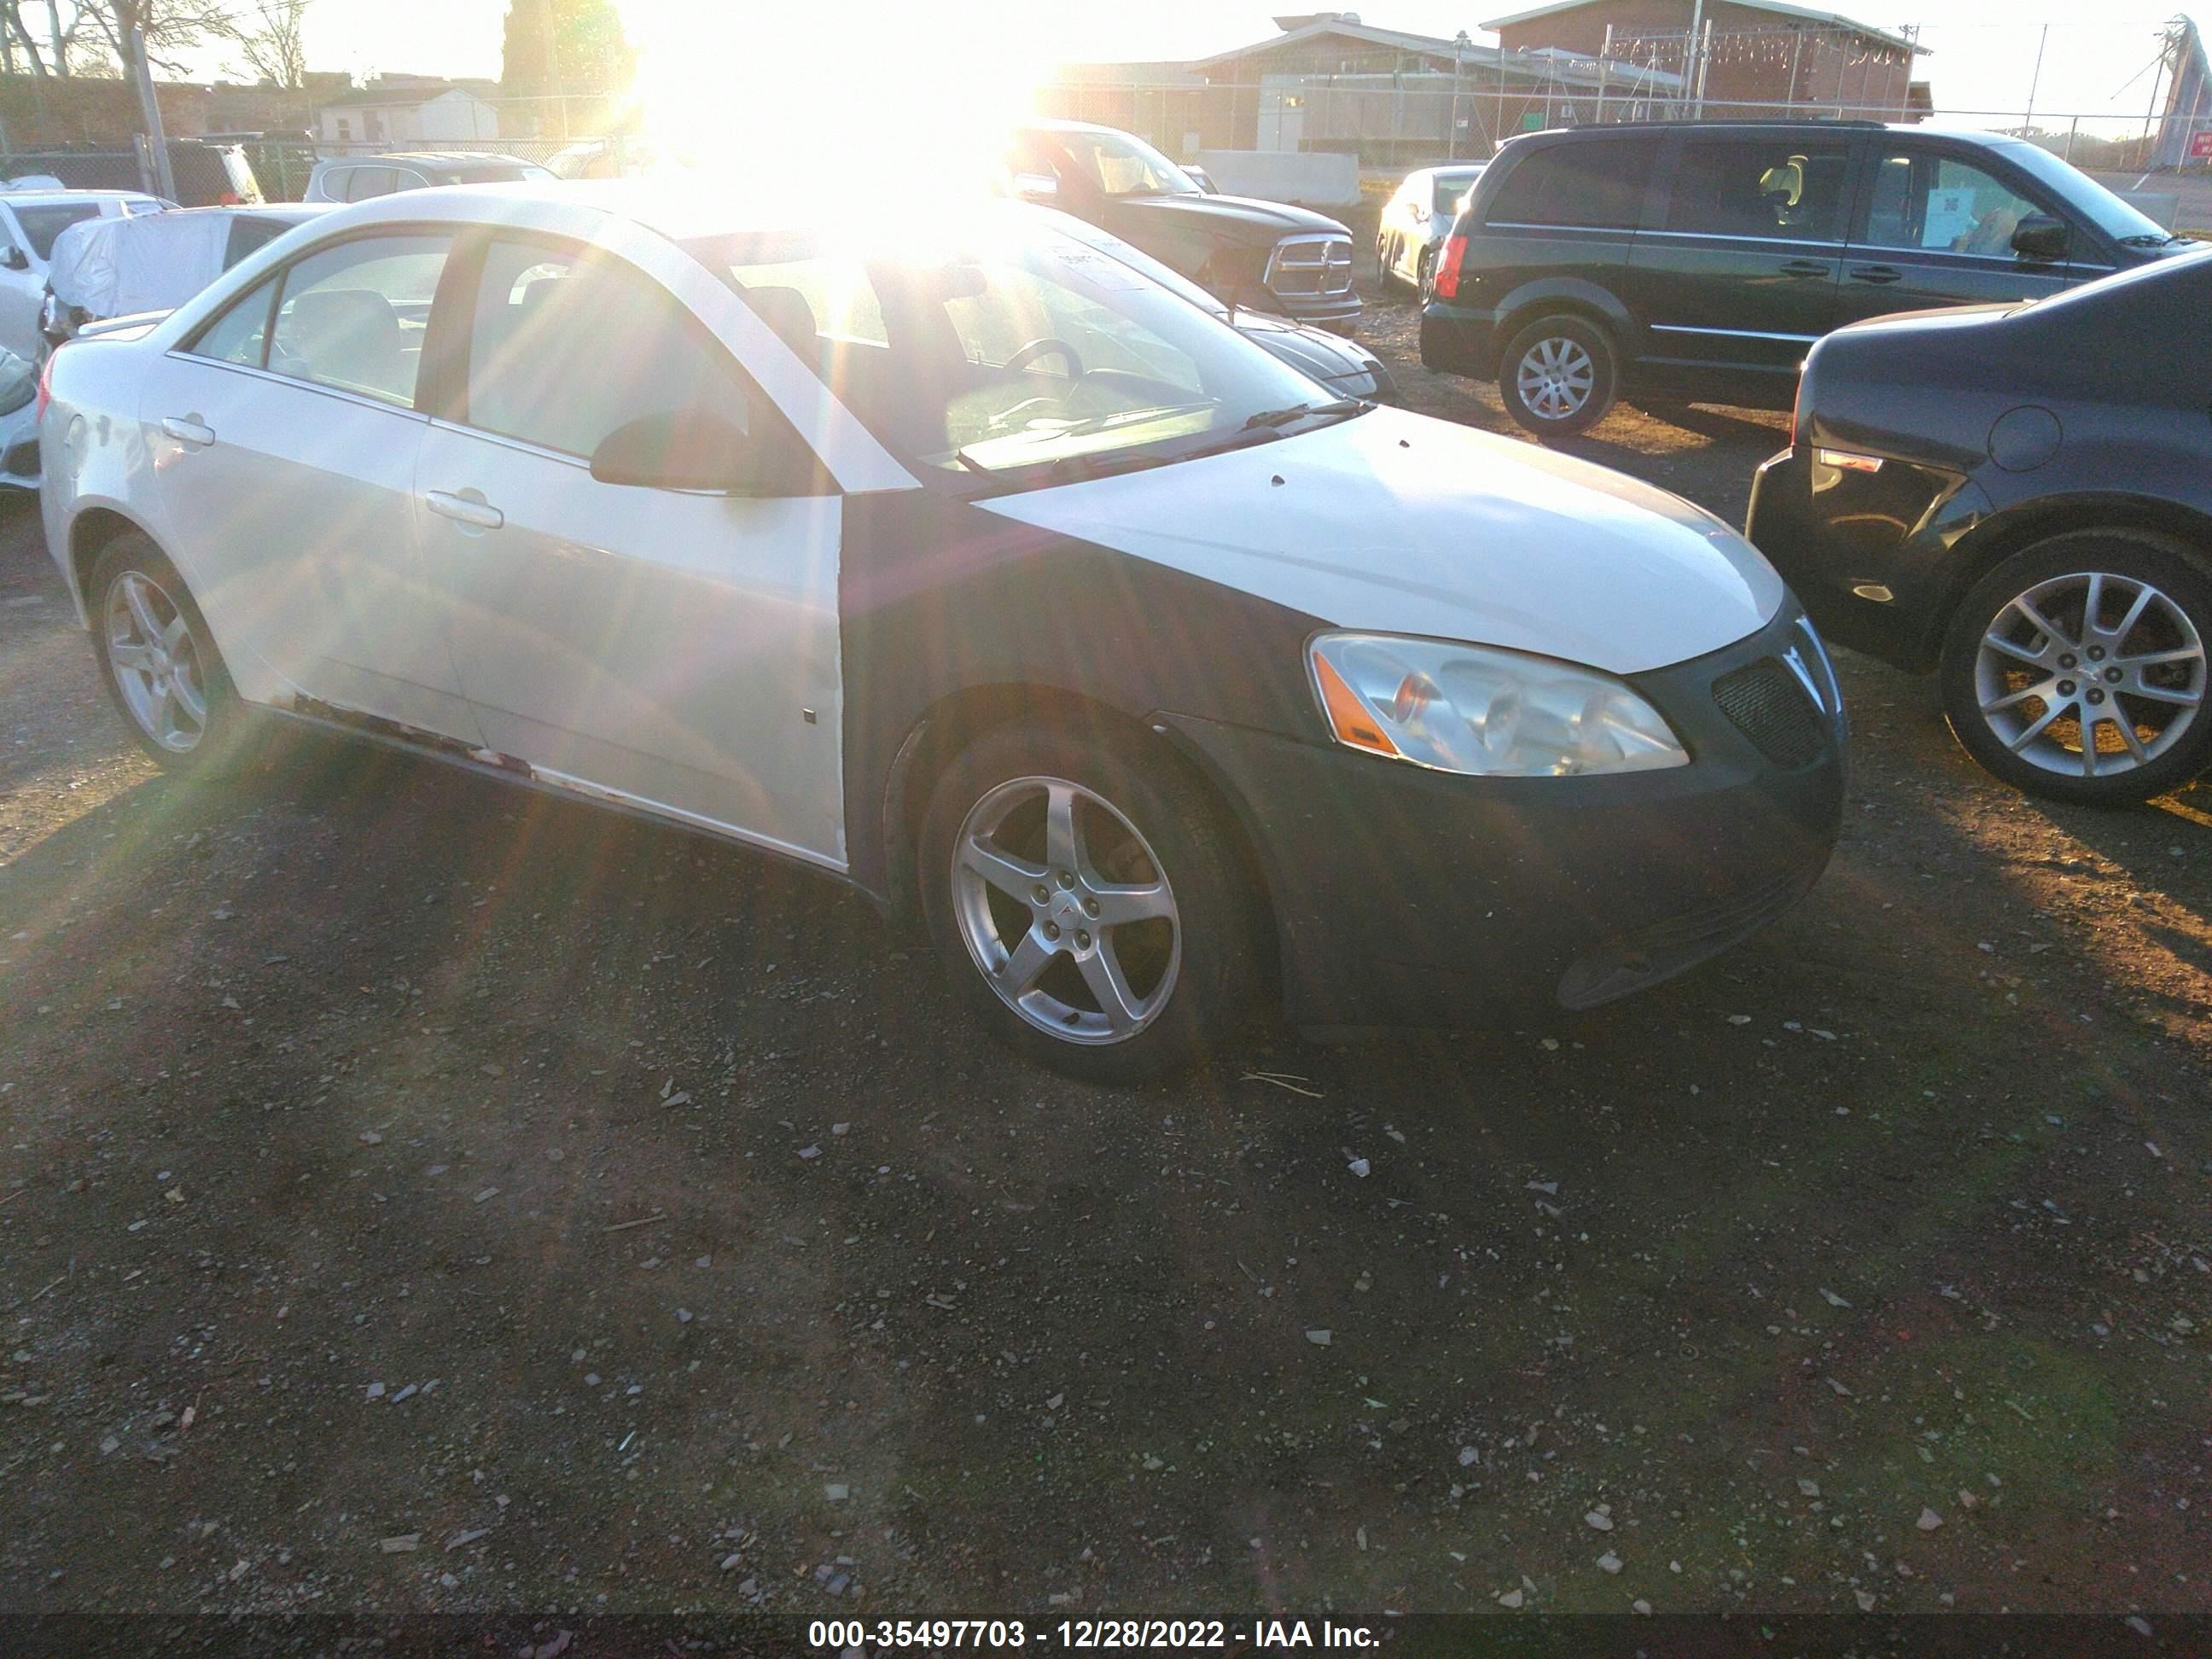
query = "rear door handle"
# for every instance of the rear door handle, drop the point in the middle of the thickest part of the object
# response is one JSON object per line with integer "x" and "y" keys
{"x": 1876, "y": 274}
{"x": 477, "y": 514}
{"x": 1806, "y": 268}
{"x": 187, "y": 429}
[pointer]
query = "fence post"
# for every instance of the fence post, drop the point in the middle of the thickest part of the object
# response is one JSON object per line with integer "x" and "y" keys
{"x": 2070, "y": 132}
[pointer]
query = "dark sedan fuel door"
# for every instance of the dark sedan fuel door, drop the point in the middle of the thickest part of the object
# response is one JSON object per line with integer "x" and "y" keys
{"x": 1740, "y": 278}
{"x": 1937, "y": 230}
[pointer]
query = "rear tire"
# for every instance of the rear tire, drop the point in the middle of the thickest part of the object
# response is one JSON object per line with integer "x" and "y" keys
{"x": 1020, "y": 897}
{"x": 1427, "y": 284}
{"x": 159, "y": 661}
{"x": 2026, "y": 666}
{"x": 1557, "y": 376}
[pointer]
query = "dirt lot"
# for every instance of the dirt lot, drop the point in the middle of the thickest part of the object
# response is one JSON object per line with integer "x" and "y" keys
{"x": 622, "y": 1223}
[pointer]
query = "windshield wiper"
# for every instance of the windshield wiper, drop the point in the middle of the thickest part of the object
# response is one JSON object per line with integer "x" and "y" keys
{"x": 1278, "y": 417}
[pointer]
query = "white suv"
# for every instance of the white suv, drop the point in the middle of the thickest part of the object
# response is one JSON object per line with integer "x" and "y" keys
{"x": 30, "y": 220}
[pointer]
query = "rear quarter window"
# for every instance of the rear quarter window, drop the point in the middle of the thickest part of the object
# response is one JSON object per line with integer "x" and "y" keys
{"x": 1597, "y": 185}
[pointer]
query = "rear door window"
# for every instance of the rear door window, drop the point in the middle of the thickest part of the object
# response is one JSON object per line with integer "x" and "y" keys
{"x": 363, "y": 183}
{"x": 1789, "y": 189}
{"x": 1599, "y": 186}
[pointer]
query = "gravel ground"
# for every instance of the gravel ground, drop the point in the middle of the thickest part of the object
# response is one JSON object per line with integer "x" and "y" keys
{"x": 419, "y": 1196}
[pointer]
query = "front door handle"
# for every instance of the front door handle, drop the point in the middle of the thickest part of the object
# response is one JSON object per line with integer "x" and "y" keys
{"x": 1805, "y": 268}
{"x": 188, "y": 430}
{"x": 1879, "y": 275}
{"x": 478, "y": 515}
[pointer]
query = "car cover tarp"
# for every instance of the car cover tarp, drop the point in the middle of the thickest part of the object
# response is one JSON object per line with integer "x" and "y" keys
{"x": 111, "y": 267}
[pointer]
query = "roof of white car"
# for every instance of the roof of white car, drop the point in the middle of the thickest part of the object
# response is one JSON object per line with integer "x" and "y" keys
{"x": 51, "y": 197}
{"x": 681, "y": 211}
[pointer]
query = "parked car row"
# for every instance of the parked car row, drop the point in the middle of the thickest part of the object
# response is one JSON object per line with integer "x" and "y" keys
{"x": 2010, "y": 486}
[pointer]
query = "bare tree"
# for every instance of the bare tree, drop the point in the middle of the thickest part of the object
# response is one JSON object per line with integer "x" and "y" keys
{"x": 171, "y": 29}
{"x": 271, "y": 37}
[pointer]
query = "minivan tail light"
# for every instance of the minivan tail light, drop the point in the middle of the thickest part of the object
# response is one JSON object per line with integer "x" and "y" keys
{"x": 1447, "y": 279}
{"x": 45, "y": 384}
{"x": 230, "y": 198}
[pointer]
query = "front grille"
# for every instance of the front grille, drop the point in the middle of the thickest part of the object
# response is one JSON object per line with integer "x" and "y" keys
{"x": 1768, "y": 705}
{"x": 1311, "y": 267}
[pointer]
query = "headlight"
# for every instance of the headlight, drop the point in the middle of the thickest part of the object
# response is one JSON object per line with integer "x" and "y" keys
{"x": 1477, "y": 709}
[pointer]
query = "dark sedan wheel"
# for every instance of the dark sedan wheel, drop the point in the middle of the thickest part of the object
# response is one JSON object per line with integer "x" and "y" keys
{"x": 1087, "y": 904}
{"x": 157, "y": 657}
{"x": 1428, "y": 282}
{"x": 2076, "y": 669}
{"x": 1557, "y": 376}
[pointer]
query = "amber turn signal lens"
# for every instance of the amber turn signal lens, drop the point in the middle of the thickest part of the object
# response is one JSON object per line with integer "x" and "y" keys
{"x": 1347, "y": 715}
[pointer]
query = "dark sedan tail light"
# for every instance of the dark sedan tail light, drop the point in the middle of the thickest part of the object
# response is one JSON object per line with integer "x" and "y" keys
{"x": 1447, "y": 278}
{"x": 45, "y": 384}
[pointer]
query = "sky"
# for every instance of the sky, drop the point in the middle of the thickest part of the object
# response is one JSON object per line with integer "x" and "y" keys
{"x": 1983, "y": 52}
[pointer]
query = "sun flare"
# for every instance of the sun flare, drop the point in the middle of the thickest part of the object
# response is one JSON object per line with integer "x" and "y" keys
{"x": 842, "y": 89}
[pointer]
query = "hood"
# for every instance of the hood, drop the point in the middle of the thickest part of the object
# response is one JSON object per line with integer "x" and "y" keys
{"x": 1311, "y": 351}
{"x": 1239, "y": 217}
{"x": 1400, "y": 524}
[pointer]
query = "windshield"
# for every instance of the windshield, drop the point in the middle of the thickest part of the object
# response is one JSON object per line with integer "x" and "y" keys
{"x": 42, "y": 224}
{"x": 2085, "y": 196}
{"x": 1024, "y": 359}
{"x": 1114, "y": 163}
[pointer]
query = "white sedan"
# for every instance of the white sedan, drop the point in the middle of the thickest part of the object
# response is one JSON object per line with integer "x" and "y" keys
{"x": 965, "y": 565}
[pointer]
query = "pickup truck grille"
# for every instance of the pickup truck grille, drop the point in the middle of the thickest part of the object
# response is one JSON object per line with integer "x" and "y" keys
{"x": 1311, "y": 266}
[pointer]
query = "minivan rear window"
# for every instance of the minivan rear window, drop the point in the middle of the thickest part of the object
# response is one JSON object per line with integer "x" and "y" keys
{"x": 1597, "y": 184}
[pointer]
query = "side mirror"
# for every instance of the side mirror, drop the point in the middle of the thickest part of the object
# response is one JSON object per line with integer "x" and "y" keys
{"x": 692, "y": 449}
{"x": 14, "y": 258}
{"x": 2041, "y": 238}
{"x": 1036, "y": 187}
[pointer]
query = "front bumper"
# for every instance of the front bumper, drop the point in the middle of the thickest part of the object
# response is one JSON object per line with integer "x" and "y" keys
{"x": 1337, "y": 312}
{"x": 1874, "y": 554}
{"x": 1405, "y": 897}
{"x": 1459, "y": 340}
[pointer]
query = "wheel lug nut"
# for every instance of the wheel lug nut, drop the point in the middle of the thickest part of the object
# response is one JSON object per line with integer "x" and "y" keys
{"x": 2066, "y": 659}
{"x": 1052, "y": 930}
{"x": 1068, "y": 878}
{"x": 1091, "y": 905}
{"x": 2096, "y": 694}
{"x": 1082, "y": 939}
{"x": 1043, "y": 894}
{"x": 2111, "y": 677}
{"x": 2065, "y": 688}
{"x": 2096, "y": 653}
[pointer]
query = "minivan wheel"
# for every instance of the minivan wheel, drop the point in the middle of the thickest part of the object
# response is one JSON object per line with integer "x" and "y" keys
{"x": 1087, "y": 904}
{"x": 1557, "y": 376}
{"x": 157, "y": 657}
{"x": 2076, "y": 669}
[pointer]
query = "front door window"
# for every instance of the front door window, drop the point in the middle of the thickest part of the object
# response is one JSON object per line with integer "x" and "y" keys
{"x": 1940, "y": 203}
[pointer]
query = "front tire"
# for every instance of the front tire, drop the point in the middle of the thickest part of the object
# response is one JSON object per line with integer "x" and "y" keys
{"x": 159, "y": 659}
{"x": 2076, "y": 669}
{"x": 1557, "y": 376}
{"x": 1088, "y": 903}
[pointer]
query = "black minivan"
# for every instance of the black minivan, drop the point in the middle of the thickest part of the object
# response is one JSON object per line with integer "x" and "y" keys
{"x": 1697, "y": 263}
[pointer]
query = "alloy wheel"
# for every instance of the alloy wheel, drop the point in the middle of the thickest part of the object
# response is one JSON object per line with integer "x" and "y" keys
{"x": 1555, "y": 377}
{"x": 1066, "y": 910}
{"x": 2092, "y": 674}
{"x": 156, "y": 661}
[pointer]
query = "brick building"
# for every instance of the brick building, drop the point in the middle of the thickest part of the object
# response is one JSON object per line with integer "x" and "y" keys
{"x": 1761, "y": 56}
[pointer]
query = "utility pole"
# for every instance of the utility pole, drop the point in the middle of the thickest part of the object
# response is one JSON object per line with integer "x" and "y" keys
{"x": 142, "y": 76}
{"x": 1694, "y": 61}
{"x": 2027, "y": 124}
